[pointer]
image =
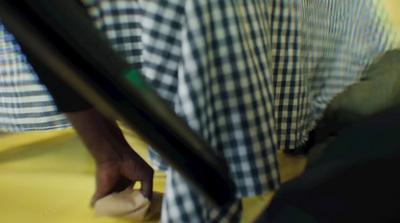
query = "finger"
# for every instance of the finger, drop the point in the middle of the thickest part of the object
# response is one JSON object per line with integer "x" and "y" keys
{"x": 93, "y": 201}
{"x": 147, "y": 188}
{"x": 104, "y": 185}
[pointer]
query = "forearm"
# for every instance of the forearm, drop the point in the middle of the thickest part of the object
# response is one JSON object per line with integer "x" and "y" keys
{"x": 118, "y": 166}
{"x": 101, "y": 136}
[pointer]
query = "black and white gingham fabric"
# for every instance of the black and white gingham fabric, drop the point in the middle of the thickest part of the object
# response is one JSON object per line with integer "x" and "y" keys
{"x": 25, "y": 104}
{"x": 250, "y": 77}
{"x": 319, "y": 47}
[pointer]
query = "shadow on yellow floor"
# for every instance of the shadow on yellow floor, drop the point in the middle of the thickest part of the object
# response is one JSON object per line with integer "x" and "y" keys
{"x": 49, "y": 177}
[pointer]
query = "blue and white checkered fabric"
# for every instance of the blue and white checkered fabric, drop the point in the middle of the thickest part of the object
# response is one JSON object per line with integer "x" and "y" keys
{"x": 250, "y": 77}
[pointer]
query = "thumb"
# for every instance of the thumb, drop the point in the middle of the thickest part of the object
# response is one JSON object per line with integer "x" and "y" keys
{"x": 104, "y": 185}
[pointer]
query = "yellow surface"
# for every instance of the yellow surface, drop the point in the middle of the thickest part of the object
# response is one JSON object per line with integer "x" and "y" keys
{"x": 49, "y": 177}
{"x": 393, "y": 8}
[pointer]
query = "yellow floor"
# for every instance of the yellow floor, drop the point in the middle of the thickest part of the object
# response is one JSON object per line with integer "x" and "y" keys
{"x": 49, "y": 177}
{"x": 392, "y": 8}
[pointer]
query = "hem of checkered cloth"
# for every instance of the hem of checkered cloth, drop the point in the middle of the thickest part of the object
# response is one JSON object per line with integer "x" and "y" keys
{"x": 36, "y": 129}
{"x": 306, "y": 140}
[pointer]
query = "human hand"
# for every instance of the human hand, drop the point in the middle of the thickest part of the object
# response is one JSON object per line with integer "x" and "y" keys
{"x": 117, "y": 165}
{"x": 121, "y": 171}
